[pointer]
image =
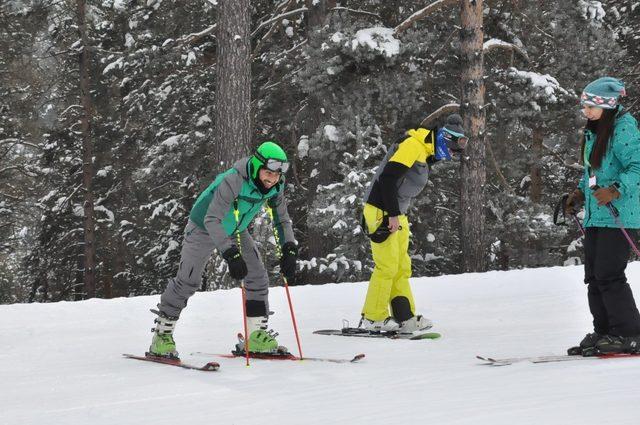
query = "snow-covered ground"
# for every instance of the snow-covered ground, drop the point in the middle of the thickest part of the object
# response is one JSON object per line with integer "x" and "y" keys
{"x": 61, "y": 363}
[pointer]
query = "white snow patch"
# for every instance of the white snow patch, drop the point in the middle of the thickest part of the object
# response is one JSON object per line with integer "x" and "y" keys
{"x": 203, "y": 120}
{"x": 303, "y": 146}
{"x": 129, "y": 41}
{"x": 113, "y": 65}
{"x": 120, "y": 5}
{"x": 592, "y": 10}
{"x": 337, "y": 37}
{"x": 332, "y": 133}
{"x": 173, "y": 141}
{"x": 191, "y": 58}
{"x": 380, "y": 39}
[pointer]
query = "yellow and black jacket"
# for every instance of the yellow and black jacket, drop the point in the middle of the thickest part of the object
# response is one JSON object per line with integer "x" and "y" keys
{"x": 403, "y": 173}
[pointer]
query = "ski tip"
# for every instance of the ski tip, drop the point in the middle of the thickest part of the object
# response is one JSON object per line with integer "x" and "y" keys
{"x": 211, "y": 366}
{"x": 357, "y": 357}
{"x": 427, "y": 335}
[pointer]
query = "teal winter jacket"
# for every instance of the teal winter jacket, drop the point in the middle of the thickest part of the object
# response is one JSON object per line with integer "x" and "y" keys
{"x": 214, "y": 210}
{"x": 621, "y": 165}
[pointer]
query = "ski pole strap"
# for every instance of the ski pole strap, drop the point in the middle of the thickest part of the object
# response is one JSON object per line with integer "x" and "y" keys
{"x": 276, "y": 237}
{"x": 560, "y": 208}
{"x": 614, "y": 211}
{"x": 236, "y": 214}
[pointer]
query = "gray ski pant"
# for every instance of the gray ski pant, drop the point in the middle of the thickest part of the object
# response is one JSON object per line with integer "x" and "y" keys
{"x": 197, "y": 247}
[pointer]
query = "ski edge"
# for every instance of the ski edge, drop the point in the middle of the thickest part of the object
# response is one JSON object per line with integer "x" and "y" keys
{"x": 411, "y": 337}
{"x": 553, "y": 359}
{"x": 207, "y": 367}
{"x": 354, "y": 359}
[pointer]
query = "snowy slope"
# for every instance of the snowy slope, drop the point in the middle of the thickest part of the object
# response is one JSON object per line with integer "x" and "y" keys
{"x": 60, "y": 363}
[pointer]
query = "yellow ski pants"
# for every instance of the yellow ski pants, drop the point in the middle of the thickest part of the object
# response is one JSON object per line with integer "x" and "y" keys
{"x": 390, "y": 277}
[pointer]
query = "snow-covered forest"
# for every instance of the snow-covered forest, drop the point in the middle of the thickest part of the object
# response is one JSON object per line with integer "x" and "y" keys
{"x": 114, "y": 116}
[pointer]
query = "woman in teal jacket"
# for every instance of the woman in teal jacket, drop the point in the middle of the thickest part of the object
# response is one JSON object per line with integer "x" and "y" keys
{"x": 611, "y": 156}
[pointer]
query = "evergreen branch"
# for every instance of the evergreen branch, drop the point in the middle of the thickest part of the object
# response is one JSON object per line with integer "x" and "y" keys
{"x": 421, "y": 14}
{"x": 494, "y": 43}
{"x": 19, "y": 142}
{"x": 278, "y": 18}
{"x": 166, "y": 184}
{"x": 273, "y": 28}
{"x": 355, "y": 11}
{"x": 454, "y": 212}
{"x": 193, "y": 38}
{"x": 15, "y": 198}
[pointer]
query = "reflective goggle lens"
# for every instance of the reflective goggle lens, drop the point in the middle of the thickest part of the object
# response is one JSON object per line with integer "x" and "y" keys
{"x": 278, "y": 166}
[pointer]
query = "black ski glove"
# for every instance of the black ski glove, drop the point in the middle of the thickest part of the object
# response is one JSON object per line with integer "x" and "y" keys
{"x": 288, "y": 261}
{"x": 237, "y": 266}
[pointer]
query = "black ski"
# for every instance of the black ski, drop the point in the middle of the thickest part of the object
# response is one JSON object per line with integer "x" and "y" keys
{"x": 209, "y": 367}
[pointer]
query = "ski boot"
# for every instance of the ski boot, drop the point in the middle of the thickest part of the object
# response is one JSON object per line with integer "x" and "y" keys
{"x": 632, "y": 344}
{"x": 375, "y": 326}
{"x": 613, "y": 344}
{"x": 407, "y": 321}
{"x": 162, "y": 344}
{"x": 587, "y": 346}
{"x": 261, "y": 339}
{"x": 414, "y": 324}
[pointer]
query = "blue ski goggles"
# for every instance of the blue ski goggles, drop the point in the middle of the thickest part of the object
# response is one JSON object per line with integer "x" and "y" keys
{"x": 447, "y": 143}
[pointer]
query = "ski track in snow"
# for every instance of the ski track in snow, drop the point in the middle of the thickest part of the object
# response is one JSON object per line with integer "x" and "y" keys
{"x": 61, "y": 363}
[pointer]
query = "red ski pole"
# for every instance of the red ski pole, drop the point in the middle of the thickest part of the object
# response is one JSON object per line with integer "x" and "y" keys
{"x": 236, "y": 213}
{"x": 244, "y": 315}
{"x": 293, "y": 316}
{"x": 286, "y": 284}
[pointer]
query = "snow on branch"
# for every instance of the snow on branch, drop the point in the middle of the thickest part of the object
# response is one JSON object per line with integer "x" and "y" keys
{"x": 197, "y": 36}
{"x": 280, "y": 10}
{"x": 447, "y": 109}
{"x": 546, "y": 87}
{"x": 379, "y": 39}
{"x": 278, "y": 18}
{"x": 422, "y": 13}
{"x": 354, "y": 11}
{"x": 592, "y": 10}
{"x": 494, "y": 43}
{"x": 19, "y": 142}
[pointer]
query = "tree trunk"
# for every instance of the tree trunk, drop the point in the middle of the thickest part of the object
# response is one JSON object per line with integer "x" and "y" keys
{"x": 89, "y": 262}
{"x": 472, "y": 167}
{"x": 316, "y": 245}
{"x": 233, "y": 83}
{"x": 536, "y": 164}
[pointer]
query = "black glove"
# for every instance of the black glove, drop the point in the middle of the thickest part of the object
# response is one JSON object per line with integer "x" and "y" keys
{"x": 574, "y": 202}
{"x": 237, "y": 266}
{"x": 288, "y": 261}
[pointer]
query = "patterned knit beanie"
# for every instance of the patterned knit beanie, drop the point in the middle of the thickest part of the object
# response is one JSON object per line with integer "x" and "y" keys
{"x": 603, "y": 93}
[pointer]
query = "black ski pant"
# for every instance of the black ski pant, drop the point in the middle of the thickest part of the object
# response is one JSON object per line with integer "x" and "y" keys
{"x": 606, "y": 252}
